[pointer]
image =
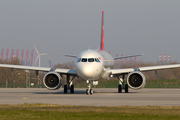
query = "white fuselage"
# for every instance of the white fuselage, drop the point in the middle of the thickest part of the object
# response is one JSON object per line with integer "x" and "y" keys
{"x": 90, "y": 65}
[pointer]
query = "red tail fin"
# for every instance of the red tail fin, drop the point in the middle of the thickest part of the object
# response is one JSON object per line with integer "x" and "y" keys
{"x": 102, "y": 32}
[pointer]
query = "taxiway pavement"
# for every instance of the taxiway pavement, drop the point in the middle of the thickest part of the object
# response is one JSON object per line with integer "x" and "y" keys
{"x": 101, "y": 97}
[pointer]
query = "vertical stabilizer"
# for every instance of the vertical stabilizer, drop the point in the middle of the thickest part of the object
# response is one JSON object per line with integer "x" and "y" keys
{"x": 102, "y": 32}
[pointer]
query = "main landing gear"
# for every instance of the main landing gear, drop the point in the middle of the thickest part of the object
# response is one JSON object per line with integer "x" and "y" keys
{"x": 122, "y": 86}
{"x": 89, "y": 90}
{"x": 69, "y": 85}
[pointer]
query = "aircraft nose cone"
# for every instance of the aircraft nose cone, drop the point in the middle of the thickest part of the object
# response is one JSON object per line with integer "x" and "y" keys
{"x": 86, "y": 72}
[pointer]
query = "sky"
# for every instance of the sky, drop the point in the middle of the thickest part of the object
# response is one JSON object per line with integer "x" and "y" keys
{"x": 57, "y": 27}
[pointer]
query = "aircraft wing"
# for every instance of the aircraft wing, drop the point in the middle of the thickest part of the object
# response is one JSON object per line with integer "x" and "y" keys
{"x": 45, "y": 69}
{"x": 66, "y": 71}
{"x": 149, "y": 68}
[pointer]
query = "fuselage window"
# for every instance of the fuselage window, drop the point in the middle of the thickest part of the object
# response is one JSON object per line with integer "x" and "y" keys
{"x": 90, "y": 59}
{"x": 84, "y": 60}
{"x": 78, "y": 60}
{"x": 97, "y": 60}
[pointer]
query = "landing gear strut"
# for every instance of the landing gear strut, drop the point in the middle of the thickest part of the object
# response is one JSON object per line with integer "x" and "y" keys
{"x": 69, "y": 85}
{"x": 89, "y": 90}
{"x": 122, "y": 86}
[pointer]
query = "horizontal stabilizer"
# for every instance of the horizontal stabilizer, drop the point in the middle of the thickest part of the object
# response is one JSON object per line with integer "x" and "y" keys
{"x": 120, "y": 57}
{"x": 71, "y": 56}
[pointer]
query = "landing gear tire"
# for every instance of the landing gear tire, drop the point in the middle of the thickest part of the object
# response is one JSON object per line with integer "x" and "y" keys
{"x": 126, "y": 88}
{"x": 87, "y": 91}
{"x": 65, "y": 88}
{"x": 91, "y": 91}
{"x": 72, "y": 89}
{"x": 119, "y": 88}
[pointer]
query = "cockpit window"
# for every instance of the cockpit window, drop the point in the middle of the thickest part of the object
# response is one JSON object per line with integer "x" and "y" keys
{"x": 97, "y": 60}
{"x": 78, "y": 60}
{"x": 90, "y": 59}
{"x": 84, "y": 60}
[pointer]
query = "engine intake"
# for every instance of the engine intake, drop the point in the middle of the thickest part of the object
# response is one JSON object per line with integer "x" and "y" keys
{"x": 136, "y": 80}
{"x": 52, "y": 80}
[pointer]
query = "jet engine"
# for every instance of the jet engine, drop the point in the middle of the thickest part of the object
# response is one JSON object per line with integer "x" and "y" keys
{"x": 52, "y": 80}
{"x": 136, "y": 80}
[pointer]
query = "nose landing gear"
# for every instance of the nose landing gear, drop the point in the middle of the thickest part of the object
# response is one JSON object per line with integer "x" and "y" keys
{"x": 89, "y": 90}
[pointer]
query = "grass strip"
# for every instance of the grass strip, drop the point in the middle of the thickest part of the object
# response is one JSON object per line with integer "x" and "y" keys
{"x": 53, "y": 112}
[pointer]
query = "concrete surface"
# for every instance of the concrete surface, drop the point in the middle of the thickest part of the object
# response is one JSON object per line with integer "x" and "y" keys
{"x": 101, "y": 97}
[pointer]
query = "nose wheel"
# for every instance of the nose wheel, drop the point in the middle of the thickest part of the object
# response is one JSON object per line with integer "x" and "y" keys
{"x": 89, "y": 91}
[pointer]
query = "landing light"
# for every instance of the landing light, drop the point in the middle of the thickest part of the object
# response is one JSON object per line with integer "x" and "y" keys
{"x": 95, "y": 82}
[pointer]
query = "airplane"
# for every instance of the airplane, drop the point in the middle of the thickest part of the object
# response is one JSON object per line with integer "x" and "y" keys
{"x": 90, "y": 66}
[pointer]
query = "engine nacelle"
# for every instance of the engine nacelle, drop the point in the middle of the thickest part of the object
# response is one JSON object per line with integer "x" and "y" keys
{"x": 52, "y": 80}
{"x": 136, "y": 80}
